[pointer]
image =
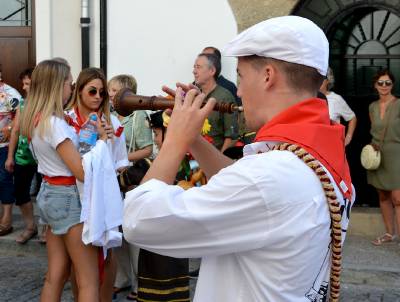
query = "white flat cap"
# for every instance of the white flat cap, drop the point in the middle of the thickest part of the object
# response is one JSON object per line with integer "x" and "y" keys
{"x": 290, "y": 38}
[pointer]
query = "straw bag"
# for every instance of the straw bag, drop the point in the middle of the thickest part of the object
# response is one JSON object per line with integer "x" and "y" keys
{"x": 371, "y": 153}
{"x": 370, "y": 157}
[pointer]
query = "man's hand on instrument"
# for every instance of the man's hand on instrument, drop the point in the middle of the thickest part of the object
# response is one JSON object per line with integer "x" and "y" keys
{"x": 187, "y": 117}
{"x": 184, "y": 87}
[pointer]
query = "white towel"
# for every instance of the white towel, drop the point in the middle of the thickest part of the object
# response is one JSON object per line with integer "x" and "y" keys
{"x": 102, "y": 206}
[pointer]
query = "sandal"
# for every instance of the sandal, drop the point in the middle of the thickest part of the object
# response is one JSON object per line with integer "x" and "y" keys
{"x": 5, "y": 230}
{"x": 132, "y": 296}
{"x": 385, "y": 238}
{"x": 117, "y": 290}
{"x": 26, "y": 235}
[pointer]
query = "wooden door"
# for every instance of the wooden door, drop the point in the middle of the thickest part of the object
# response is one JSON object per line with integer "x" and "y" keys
{"x": 17, "y": 47}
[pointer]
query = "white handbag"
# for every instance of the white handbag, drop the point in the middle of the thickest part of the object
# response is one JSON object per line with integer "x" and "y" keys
{"x": 370, "y": 157}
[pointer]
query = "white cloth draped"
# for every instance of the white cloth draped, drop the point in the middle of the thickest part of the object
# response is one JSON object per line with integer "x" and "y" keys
{"x": 102, "y": 206}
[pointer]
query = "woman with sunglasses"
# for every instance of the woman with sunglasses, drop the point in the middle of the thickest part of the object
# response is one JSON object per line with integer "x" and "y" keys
{"x": 54, "y": 144}
{"x": 385, "y": 123}
{"x": 90, "y": 96}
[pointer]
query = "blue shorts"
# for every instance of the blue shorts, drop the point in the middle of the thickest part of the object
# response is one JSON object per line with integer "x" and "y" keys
{"x": 6, "y": 179}
{"x": 59, "y": 206}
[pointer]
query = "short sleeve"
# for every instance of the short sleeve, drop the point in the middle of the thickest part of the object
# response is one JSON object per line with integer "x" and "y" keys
{"x": 15, "y": 97}
{"x": 345, "y": 111}
{"x": 371, "y": 108}
{"x": 61, "y": 132}
{"x": 14, "y": 102}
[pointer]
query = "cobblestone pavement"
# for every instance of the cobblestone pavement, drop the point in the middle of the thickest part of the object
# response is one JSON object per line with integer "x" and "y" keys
{"x": 22, "y": 279}
{"x": 370, "y": 274}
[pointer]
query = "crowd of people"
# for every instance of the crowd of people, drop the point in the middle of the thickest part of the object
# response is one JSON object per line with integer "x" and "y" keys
{"x": 32, "y": 146}
{"x": 249, "y": 220}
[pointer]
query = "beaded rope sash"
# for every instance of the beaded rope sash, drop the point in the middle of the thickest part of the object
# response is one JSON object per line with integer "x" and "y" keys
{"x": 334, "y": 211}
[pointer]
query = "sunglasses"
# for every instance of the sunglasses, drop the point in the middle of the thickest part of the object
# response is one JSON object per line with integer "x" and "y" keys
{"x": 93, "y": 92}
{"x": 384, "y": 83}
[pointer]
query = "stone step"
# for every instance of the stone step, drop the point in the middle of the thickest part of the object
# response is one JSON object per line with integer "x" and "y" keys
{"x": 365, "y": 221}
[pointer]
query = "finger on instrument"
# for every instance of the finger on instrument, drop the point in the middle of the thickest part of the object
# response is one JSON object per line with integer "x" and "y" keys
{"x": 168, "y": 90}
{"x": 189, "y": 97}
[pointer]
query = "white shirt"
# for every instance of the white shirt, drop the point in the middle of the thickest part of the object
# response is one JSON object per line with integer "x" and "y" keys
{"x": 338, "y": 108}
{"x": 117, "y": 146}
{"x": 44, "y": 149}
{"x": 8, "y": 106}
{"x": 261, "y": 227}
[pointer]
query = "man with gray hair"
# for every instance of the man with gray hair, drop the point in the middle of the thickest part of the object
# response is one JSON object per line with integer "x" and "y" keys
{"x": 224, "y": 126}
{"x": 267, "y": 225}
{"x": 221, "y": 80}
{"x": 338, "y": 107}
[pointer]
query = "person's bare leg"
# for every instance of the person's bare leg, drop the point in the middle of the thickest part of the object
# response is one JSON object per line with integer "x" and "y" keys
{"x": 58, "y": 268}
{"x": 74, "y": 286}
{"x": 396, "y": 203}
{"x": 27, "y": 215}
{"x": 84, "y": 259}
{"x": 6, "y": 218}
{"x": 110, "y": 270}
{"x": 385, "y": 201}
{"x": 30, "y": 226}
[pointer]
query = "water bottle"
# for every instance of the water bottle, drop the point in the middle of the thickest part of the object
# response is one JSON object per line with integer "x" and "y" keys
{"x": 88, "y": 135}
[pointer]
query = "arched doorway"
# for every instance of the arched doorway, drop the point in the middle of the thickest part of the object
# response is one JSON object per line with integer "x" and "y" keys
{"x": 364, "y": 38}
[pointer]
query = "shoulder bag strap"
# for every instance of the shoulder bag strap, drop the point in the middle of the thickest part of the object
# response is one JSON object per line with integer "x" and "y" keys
{"x": 131, "y": 142}
{"x": 386, "y": 124}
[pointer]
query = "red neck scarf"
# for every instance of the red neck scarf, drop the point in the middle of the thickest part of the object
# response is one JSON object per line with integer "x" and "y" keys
{"x": 307, "y": 124}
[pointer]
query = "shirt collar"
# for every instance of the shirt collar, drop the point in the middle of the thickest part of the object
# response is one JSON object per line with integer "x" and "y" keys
{"x": 258, "y": 147}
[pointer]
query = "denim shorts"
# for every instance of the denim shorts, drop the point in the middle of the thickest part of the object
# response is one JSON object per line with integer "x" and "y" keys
{"x": 59, "y": 206}
{"x": 6, "y": 179}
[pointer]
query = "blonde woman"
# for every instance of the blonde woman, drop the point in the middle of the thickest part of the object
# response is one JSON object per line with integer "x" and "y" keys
{"x": 54, "y": 144}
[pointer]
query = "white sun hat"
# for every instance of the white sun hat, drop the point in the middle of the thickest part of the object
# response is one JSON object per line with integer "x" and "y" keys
{"x": 290, "y": 38}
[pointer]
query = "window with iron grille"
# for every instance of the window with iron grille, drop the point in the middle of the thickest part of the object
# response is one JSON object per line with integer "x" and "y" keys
{"x": 15, "y": 13}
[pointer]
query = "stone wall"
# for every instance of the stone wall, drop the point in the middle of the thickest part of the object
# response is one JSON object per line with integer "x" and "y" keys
{"x": 250, "y": 12}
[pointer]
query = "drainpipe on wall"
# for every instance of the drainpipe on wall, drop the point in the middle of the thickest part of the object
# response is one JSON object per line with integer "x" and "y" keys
{"x": 103, "y": 36}
{"x": 85, "y": 27}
